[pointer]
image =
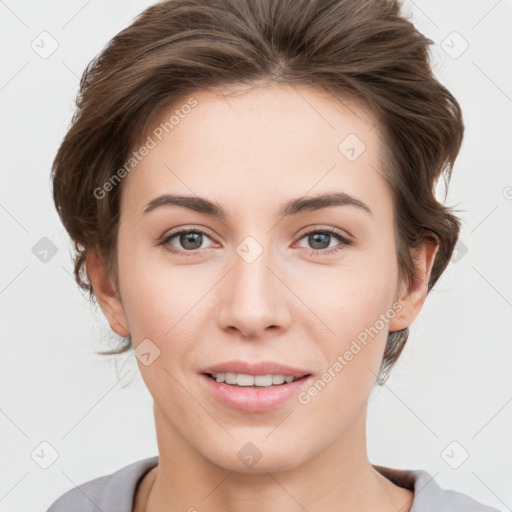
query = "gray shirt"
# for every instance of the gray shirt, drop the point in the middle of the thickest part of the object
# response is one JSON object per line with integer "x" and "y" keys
{"x": 116, "y": 492}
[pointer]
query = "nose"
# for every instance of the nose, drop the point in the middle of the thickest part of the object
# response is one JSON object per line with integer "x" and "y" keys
{"x": 254, "y": 300}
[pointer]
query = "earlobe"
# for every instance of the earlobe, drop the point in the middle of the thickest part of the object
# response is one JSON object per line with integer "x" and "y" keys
{"x": 105, "y": 292}
{"x": 412, "y": 300}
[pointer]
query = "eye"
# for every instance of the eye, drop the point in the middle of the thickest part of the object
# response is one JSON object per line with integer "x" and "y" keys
{"x": 321, "y": 239}
{"x": 188, "y": 240}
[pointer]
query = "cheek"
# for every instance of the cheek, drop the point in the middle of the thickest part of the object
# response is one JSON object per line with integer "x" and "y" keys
{"x": 359, "y": 315}
{"x": 358, "y": 308}
{"x": 362, "y": 304}
{"x": 355, "y": 292}
{"x": 146, "y": 295}
{"x": 162, "y": 302}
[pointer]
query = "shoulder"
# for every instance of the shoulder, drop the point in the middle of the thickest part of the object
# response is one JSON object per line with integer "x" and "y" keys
{"x": 428, "y": 495}
{"x": 108, "y": 493}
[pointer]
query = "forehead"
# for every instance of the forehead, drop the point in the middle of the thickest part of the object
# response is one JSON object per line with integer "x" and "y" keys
{"x": 249, "y": 143}
{"x": 264, "y": 111}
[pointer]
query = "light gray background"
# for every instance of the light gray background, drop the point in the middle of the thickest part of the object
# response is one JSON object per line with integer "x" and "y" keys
{"x": 453, "y": 381}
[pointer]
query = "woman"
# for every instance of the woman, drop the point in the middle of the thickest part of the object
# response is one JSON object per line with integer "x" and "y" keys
{"x": 249, "y": 185}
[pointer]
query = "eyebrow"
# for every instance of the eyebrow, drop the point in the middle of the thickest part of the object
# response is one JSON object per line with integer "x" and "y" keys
{"x": 292, "y": 207}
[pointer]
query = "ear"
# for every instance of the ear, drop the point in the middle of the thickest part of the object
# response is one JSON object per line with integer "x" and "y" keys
{"x": 412, "y": 300}
{"x": 106, "y": 294}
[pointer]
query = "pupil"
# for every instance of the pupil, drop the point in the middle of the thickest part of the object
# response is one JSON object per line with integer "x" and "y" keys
{"x": 191, "y": 237}
{"x": 315, "y": 238}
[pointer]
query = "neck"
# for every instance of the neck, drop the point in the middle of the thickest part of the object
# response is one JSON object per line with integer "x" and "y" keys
{"x": 339, "y": 477}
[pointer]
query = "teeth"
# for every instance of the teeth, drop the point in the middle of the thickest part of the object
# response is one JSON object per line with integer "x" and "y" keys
{"x": 278, "y": 379}
{"x": 242, "y": 379}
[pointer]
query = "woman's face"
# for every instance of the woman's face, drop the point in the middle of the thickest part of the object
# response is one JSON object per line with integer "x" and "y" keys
{"x": 250, "y": 288}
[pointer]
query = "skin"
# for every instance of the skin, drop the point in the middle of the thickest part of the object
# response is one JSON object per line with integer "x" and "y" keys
{"x": 252, "y": 152}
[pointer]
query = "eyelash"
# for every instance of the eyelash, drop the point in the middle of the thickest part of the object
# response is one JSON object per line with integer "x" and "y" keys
{"x": 312, "y": 252}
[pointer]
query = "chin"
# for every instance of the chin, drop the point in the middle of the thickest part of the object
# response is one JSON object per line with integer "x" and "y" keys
{"x": 255, "y": 457}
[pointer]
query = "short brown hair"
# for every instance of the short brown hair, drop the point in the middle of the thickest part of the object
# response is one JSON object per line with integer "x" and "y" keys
{"x": 357, "y": 48}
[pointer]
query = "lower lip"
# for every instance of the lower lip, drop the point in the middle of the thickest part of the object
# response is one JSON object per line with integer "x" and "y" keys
{"x": 254, "y": 399}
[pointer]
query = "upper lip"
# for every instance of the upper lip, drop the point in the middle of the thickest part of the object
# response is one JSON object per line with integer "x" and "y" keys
{"x": 261, "y": 368}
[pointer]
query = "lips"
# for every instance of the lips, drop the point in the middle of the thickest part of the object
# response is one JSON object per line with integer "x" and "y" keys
{"x": 261, "y": 368}
{"x": 254, "y": 399}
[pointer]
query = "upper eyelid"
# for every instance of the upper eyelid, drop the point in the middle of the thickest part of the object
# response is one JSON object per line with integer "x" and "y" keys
{"x": 328, "y": 229}
{"x": 195, "y": 229}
